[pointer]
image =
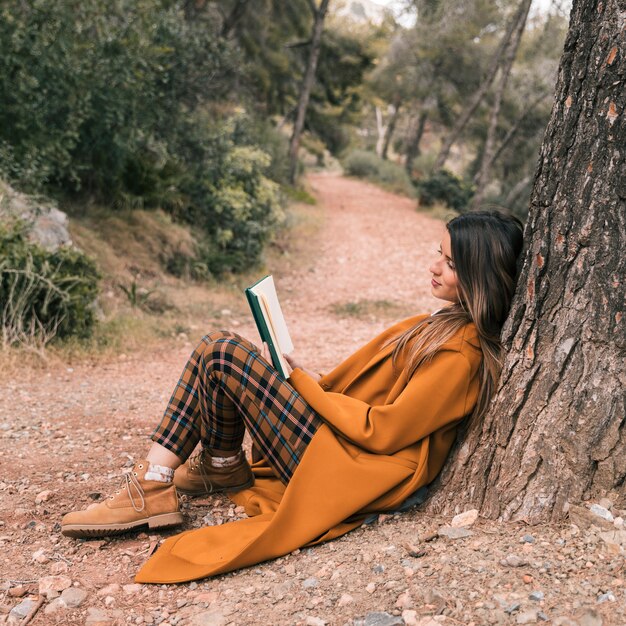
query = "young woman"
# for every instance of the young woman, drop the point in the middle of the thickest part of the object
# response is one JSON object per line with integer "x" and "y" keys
{"x": 328, "y": 450}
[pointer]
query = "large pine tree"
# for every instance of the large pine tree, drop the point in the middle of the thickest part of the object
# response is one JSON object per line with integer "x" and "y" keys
{"x": 555, "y": 431}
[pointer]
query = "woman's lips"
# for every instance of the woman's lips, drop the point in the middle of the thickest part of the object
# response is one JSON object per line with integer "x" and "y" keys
{"x": 434, "y": 283}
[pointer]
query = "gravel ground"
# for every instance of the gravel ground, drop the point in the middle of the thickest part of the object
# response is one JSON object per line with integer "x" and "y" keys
{"x": 66, "y": 432}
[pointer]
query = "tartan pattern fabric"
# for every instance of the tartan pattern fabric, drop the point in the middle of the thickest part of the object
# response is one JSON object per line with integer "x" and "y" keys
{"x": 226, "y": 386}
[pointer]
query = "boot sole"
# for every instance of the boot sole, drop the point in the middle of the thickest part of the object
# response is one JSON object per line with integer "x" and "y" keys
{"x": 234, "y": 489}
{"x": 81, "y": 531}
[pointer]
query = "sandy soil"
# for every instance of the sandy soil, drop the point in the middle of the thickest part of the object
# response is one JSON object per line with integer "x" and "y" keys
{"x": 67, "y": 432}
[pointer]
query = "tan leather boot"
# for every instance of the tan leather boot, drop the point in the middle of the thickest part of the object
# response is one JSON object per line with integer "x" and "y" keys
{"x": 137, "y": 503}
{"x": 198, "y": 476}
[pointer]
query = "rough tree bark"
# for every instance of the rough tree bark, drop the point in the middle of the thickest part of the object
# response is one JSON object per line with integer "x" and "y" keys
{"x": 319, "y": 14}
{"x": 413, "y": 149}
{"x": 482, "y": 176}
{"x": 391, "y": 126}
{"x": 555, "y": 431}
{"x": 481, "y": 92}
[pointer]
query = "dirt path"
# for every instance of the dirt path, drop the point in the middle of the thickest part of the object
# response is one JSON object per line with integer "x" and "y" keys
{"x": 65, "y": 434}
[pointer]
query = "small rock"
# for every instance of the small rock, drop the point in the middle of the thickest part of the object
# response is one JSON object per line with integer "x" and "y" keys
{"x": 536, "y": 596}
{"x": 409, "y": 617}
{"x": 290, "y": 569}
{"x": 370, "y": 588}
{"x": 617, "y": 537}
{"x": 512, "y": 560}
{"x": 213, "y": 617}
{"x": 51, "y": 586}
{"x": 590, "y": 618}
{"x": 454, "y": 533}
{"x": 542, "y": 616}
{"x": 345, "y": 599}
{"x": 379, "y": 618}
{"x": 315, "y": 621}
{"x": 527, "y": 578}
{"x": 310, "y": 583}
{"x": 43, "y": 496}
{"x": 618, "y": 522}
{"x": 98, "y": 617}
{"x": 585, "y": 519}
{"x": 378, "y": 569}
{"x": 109, "y": 601}
{"x": 39, "y": 556}
{"x": 528, "y": 539}
{"x": 54, "y": 607}
{"x": 512, "y": 608}
{"x": 606, "y": 597}
{"x": 17, "y": 592}
{"x": 600, "y": 511}
{"x": 205, "y": 596}
{"x": 59, "y": 567}
{"x": 527, "y": 617}
{"x": 21, "y": 610}
{"x": 464, "y": 519}
{"x": 404, "y": 601}
{"x": 109, "y": 590}
{"x": 73, "y": 597}
{"x": 606, "y": 503}
{"x": 132, "y": 588}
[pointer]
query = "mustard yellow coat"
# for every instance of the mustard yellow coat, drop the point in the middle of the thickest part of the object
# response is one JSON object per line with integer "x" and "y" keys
{"x": 384, "y": 437}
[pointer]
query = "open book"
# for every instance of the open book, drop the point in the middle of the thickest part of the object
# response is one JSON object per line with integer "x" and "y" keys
{"x": 270, "y": 321}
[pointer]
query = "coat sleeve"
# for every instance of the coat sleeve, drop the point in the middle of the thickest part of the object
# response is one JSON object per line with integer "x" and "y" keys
{"x": 436, "y": 395}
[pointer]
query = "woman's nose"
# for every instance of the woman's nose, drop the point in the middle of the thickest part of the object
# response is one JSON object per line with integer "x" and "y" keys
{"x": 434, "y": 268}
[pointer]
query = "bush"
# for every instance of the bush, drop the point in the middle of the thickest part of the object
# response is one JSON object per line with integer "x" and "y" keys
{"x": 43, "y": 294}
{"x": 230, "y": 201}
{"x": 445, "y": 187}
{"x": 364, "y": 164}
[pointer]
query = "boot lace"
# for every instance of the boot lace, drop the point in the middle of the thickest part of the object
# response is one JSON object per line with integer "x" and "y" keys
{"x": 197, "y": 461}
{"x": 135, "y": 492}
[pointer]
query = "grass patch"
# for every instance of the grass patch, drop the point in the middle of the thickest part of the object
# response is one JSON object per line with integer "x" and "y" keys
{"x": 367, "y": 309}
{"x": 299, "y": 194}
{"x": 389, "y": 175}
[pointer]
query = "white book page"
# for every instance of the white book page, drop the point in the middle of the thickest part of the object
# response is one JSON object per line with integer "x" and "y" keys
{"x": 266, "y": 290}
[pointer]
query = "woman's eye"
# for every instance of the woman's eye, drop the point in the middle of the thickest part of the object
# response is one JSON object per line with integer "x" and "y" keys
{"x": 451, "y": 265}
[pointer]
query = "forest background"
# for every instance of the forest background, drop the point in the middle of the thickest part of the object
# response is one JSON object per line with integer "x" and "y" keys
{"x": 163, "y": 129}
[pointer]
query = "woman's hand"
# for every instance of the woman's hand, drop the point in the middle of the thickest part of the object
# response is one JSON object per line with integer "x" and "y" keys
{"x": 291, "y": 362}
{"x": 294, "y": 364}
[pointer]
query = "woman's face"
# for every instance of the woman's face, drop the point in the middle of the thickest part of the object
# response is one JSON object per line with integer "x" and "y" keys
{"x": 444, "y": 283}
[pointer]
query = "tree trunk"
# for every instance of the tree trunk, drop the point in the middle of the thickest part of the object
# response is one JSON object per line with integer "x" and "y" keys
{"x": 555, "y": 432}
{"x": 480, "y": 93}
{"x": 413, "y": 149}
{"x": 381, "y": 130}
{"x": 391, "y": 127}
{"x": 307, "y": 84}
{"x": 482, "y": 176}
{"x": 516, "y": 126}
{"x": 233, "y": 17}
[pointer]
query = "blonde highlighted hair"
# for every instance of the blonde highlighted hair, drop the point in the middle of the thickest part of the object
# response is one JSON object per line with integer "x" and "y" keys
{"x": 485, "y": 246}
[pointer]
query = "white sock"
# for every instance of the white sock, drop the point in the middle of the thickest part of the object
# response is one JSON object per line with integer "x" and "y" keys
{"x": 160, "y": 473}
{"x": 225, "y": 461}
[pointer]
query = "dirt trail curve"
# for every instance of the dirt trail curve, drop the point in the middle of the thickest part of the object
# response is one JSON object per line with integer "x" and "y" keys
{"x": 64, "y": 435}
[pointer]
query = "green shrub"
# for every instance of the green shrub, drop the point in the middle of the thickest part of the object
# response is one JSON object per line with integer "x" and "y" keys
{"x": 43, "y": 294}
{"x": 365, "y": 164}
{"x": 445, "y": 187}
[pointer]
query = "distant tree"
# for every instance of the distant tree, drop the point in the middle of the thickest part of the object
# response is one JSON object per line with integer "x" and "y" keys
{"x": 495, "y": 64}
{"x": 555, "y": 432}
{"x": 319, "y": 14}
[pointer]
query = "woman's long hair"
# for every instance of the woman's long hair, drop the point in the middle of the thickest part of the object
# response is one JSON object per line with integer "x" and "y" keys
{"x": 485, "y": 246}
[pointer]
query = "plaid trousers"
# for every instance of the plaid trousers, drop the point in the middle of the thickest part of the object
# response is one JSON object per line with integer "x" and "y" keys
{"x": 227, "y": 386}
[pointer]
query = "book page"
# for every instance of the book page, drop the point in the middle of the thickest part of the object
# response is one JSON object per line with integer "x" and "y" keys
{"x": 266, "y": 291}
{"x": 270, "y": 327}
